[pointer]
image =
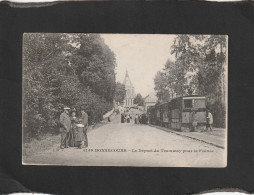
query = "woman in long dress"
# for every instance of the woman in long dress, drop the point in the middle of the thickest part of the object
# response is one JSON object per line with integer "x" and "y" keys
{"x": 122, "y": 118}
{"x": 74, "y": 122}
{"x": 80, "y": 137}
{"x": 128, "y": 118}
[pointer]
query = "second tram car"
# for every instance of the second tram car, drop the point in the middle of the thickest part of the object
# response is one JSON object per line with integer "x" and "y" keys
{"x": 179, "y": 113}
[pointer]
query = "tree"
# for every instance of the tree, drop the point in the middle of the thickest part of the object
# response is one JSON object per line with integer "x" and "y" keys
{"x": 161, "y": 83}
{"x": 65, "y": 69}
{"x": 139, "y": 100}
{"x": 199, "y": 68}
{"x": 120, "y": 92}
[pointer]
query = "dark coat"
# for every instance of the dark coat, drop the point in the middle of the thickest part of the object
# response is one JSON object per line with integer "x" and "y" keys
{"x": 122, "y": 118}
{"x": 65, "y": 122}
{"x": 73, "y": 131}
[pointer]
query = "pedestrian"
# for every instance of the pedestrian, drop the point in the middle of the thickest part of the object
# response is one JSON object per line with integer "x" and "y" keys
{"x": 136, "y": 119}
{"x": 122, "y": 118}
{"x": 65, "y": 122}
{"x": 84, "y": 117}
{"x": 74, "y": 122}
{"x": 209, "y": 120}
{"x": 143, "y": 116}
{"x": 140, "y": 119}
{"x": 128, "y": 118}
{"x": 80, "y": 135}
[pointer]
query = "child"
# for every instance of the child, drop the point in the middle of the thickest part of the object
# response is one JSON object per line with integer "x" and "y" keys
{"x": 80, "y": 135}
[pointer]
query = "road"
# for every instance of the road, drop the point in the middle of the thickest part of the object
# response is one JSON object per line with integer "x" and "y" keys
{"x": 141, "y": 145}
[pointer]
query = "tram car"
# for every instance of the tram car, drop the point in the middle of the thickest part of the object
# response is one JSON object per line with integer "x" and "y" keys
{"x": 179, "y": 113}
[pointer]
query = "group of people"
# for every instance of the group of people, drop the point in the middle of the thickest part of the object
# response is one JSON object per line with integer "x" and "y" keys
{"x": 138, "y": 119}
{"x": 141, "y": 119}
{"x": 73, "y": 129}
{"x": 126, "y": 118}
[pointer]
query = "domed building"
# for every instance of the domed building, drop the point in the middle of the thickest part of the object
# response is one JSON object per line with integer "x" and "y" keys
{"x": 130, "y": 94}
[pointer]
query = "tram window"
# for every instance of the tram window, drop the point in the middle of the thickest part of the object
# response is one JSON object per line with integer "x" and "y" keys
{"x": 199, "y": 103}
{"x": 188, "y": 104}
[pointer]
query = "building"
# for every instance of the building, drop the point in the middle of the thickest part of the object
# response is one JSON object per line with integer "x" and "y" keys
{"x": 130, "y": 94}
{"x": 150, "y": 100}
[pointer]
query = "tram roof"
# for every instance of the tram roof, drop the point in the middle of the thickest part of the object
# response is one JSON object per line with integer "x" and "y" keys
{"x": 185, "y": 97}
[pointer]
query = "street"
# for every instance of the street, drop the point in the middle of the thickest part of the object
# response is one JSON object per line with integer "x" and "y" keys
{"x": 129, "y": 144}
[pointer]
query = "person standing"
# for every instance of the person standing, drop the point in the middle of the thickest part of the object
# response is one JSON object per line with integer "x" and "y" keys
{"x": 136, "y": 119}
{"x": 122, "y": 118}
{"x": 65, "y": 122}
{"x": 74, "y": 122}
{"x": 84, "y": 117}
{"x": 209, "y": 120}
{"x": 80, "y": 135}
{"x": 140, "y": 119}
{"x": 128, "y": 118}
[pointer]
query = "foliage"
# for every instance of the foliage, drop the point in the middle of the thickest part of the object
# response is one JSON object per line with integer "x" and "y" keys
{"x": 161, "y": 82}
{"x": 138, "y": 100}
{"x": 64, "y": 69}
{"x": 120, "y": 92}
{"x": 218, "y": 111}
{"x": 199, "y": 68}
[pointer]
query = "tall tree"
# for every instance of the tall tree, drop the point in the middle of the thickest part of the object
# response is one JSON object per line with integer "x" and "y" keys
{"x": 199, "y": 68}
{"x": 161, "y": 86}
{"x": 138, "y": 100}
{"x": 120, "y": 92}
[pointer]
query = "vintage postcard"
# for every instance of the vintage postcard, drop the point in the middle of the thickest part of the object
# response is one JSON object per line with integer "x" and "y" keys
{"x": 145, "y": 100}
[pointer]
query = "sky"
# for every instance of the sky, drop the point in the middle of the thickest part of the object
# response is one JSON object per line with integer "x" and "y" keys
{"x": 142, "y": 55}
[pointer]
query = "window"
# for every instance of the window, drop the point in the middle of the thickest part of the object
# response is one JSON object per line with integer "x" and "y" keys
{"x": 199, "y": 103}
{"x": 188, "y": 104}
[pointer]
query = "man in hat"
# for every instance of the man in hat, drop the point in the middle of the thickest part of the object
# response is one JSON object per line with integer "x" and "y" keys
{"x": 65, "y": 122}
{"x": 84, "y": 117}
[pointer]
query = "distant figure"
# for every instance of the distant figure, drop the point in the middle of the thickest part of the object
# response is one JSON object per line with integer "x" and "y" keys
{"x": 65, "y": 122}
{"x": 136, "y": 119}
{"x": 209, "y": 120}
{"x": 122, "y": 118}
{"x": 128, "y": 118}
{"x": 109, "y": 119}
{"x": 144, "y": 119}
{"x": 140, "y": 119}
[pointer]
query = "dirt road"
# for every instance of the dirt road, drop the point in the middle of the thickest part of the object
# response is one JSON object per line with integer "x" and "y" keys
{"x": 128, "y": 144}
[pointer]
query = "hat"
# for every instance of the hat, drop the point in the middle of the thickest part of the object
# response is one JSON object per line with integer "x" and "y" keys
{"x": 80, "y": 120}
{"x": 66, "y": 108}
{"x": 80, "y": 125}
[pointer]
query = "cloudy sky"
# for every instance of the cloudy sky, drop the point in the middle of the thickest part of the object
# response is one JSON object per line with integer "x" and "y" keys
{"x": 142, "y": 55}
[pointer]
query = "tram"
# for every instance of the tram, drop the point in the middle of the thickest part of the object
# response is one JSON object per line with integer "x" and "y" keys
{"x": 179, "y": 113}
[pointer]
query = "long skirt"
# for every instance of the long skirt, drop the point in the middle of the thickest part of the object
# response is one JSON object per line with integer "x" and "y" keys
{"x": 81, "y": 137}
{"x": 122, "y": 118}
{"x": 71, "y": 138}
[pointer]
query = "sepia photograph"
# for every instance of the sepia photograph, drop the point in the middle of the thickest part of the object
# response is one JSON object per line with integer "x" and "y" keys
{"x": 142, "y": 100}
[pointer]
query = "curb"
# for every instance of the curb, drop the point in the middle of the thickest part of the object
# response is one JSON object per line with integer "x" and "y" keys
{"x": 190, "y": 137}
